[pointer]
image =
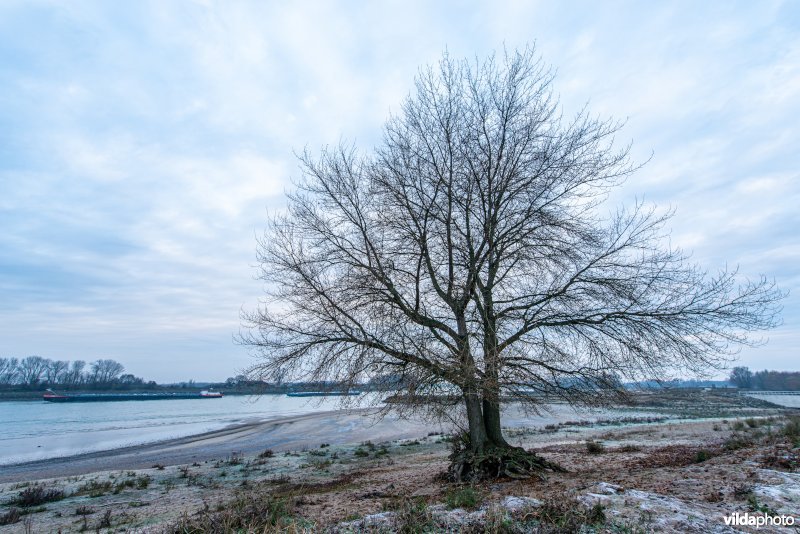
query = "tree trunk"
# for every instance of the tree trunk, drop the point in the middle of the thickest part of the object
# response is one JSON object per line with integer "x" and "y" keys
{"x": 488, "y": 455}
{"x": 477, "y": 426}
{"x": 491, "y": 420}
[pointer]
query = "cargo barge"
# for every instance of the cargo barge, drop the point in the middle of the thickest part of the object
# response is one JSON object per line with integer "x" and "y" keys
{"x": 322, "y": 393}
{"x": 52, "y": 396}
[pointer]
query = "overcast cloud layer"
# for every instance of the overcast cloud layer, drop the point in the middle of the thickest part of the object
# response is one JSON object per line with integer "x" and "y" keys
{"x": 141, "y": 145}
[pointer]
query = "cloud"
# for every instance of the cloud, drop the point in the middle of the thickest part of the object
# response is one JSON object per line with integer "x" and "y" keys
{"x": 141, "y": 145}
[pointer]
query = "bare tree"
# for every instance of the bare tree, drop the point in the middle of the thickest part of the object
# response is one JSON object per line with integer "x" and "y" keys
{"x": 741, "y": 377}
{"x": 75, "y": 374}
{"x": 130, "y": 380}
{"x": 56, "y": 371}
{"x": 31, "y": 369}
{"x": 8, "y": 370}
{"x": 469, "y": 254}
{"x": 106, "y": 371}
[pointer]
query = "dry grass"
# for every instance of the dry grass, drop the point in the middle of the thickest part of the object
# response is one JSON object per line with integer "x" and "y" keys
{"x": 36, "y": 495}
{"x": 565, "y": 514}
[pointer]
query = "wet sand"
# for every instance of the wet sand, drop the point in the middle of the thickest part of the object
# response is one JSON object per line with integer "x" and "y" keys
{"x": 288, "y": 433}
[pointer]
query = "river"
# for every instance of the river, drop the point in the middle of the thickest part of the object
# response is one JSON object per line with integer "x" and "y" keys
{"x": 33, "y": 430}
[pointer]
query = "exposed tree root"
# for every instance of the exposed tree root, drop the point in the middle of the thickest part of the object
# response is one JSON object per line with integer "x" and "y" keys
{"x": 496, "y": 462}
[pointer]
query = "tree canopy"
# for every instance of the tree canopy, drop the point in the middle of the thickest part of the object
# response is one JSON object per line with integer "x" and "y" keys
{"x": 470, "y": 252}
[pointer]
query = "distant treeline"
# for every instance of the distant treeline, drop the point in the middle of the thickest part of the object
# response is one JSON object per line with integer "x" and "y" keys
{"x": 35, "y": 372}
{"x": 242, "y": 384}
{"x": 744, "y": 378}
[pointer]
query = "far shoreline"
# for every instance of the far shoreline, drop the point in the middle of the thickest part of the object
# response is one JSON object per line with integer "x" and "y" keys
{"x": 37, "y": 395}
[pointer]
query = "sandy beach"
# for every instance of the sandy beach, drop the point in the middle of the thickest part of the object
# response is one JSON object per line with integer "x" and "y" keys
{"x": 334, "y": 427}
{"x": 300, "y": 432}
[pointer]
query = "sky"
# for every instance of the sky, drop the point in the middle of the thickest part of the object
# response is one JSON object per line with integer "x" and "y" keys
{"x": 142, "y": 145}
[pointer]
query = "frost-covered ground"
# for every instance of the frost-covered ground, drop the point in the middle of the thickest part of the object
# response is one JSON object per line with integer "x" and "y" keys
{"x": 680, "y": 470}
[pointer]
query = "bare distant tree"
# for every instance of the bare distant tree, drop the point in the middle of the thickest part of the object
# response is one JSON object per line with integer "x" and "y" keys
{"x": 130, "y": 380}
{"x": 74, "y": 375}
{"x": 56, "y": 371}
{"x": 8, "y": 370}
{"x": 31, "y": 369}
{"x": 106, "y": 371}
{"x": 741, "y": 377}
{"x": 469, "y": 254}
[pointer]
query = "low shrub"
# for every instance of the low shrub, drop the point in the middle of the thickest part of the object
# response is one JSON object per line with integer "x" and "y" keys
{"x": 12, "y": 516}
{"x": 105, "y": 521}
{"x": 122, "y": 484}
{"x": 752, "y": 423}
{"x": 498, "y": 520}
{"x": 595, "y": 447}
{"x": 36, "y": 495}
{"x": 756, "y": 506}
{"x": 84, "y": 510}
{"x": 412, "y": 517}
{"x": 736, "y": 442}
{"x": 463, "y": 497}
{"x": 249, "y": 511}
{"x": 702, "y": 455}
{"x": 567, "y": 514}
{"x": 792, "y": 430}
{"x": 780, "y": 457}
{"x": 320, "y": 464}
{"x": 94, "y": 488}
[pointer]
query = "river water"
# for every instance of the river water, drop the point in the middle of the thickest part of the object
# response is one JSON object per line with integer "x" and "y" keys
{"x": 33, "y": 430}
{"x": 788, "y": 401}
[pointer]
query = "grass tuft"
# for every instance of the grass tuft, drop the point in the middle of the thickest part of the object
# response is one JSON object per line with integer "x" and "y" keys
{"x": 84, "y": 510}
{"x": 12, "y": 516}
{"x": 702, "y": 455}
{"x": 249, "y": 511}
{"x": 565, "y": 514}
{"x": 94, "y": 488}
{"x": 413, "y": 517}
{"x": 595, "y": 447}
{"x": 466, "y": 497}
{"x": 36, "y": 495}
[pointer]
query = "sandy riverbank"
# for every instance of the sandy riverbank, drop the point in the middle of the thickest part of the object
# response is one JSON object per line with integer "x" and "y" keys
{"x": 287, "y": 433}
{"x": 342, "y": 471}
{"x": 308, "y": 431}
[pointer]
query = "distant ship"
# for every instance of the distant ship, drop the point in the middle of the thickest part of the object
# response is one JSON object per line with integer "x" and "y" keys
{"x": 338, "y": 393}
{"x": 52, "y": 396}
